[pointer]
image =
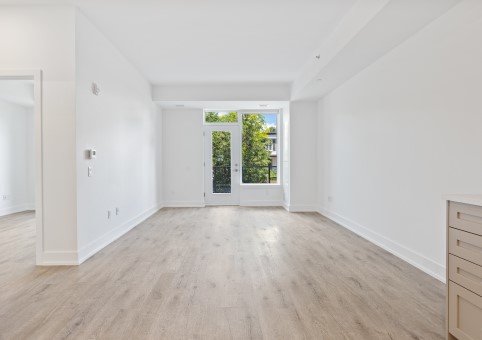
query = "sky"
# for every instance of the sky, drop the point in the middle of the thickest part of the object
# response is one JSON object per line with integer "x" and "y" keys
{"x": 270, "y": 119}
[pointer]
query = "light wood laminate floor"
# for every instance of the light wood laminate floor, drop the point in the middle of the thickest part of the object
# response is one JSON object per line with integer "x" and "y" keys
{"x": 218, "y": 273}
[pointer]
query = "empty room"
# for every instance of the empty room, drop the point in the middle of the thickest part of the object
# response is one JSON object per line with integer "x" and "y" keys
{"x": 222, "y": 169}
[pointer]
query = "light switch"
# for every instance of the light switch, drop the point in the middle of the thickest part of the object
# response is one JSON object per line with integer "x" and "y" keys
{"x": 91, "y": 153}
{"x": 89, "y": 171}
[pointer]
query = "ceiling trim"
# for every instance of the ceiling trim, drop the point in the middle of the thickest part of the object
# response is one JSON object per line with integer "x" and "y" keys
{"x": 222, "y": 92}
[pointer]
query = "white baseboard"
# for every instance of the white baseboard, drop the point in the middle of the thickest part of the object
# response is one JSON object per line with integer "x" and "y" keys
{"x": 184, "y": 204}
{"x": 16, "y": 208}
{"x": 58, "y": 258}
{"x": 302, "y": 208}
{"x": 109, "y": 237}
{"x": 259, "y": 203}
{"x": 417, "y": 260}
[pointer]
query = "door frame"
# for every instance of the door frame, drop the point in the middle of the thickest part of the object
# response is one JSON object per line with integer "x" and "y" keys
{"x": 36, "y": 76}
{"x": 234, "y": 129}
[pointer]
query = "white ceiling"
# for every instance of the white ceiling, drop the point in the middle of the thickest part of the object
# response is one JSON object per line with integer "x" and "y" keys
{"x": 202, "y": 42}
{"x": 186, "y": 41}
{"x": 217, "y": 40}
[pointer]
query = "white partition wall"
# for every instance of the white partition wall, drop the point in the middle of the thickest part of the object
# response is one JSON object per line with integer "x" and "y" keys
{"x": 182, "y": 140}
{"x": 303, "y": 151}
{"x": 45, "y": 41}
{"x": 123, "y": 125}
{"x": 122, "y": 122}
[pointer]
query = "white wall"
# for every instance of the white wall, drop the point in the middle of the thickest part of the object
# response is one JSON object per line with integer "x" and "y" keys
{"x": 123, "y": 125}
{"x": 303, "y": 156}
{"x": 44, "y": 39}
{"x": 16, "y": 158}
{"x": 261, "y": 195}
{"x": 402, "y": 133}
{"x": 183, "y": 157}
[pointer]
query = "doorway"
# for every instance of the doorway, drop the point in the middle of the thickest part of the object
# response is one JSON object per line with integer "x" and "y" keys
{"x": 22, "y": 189}
{"x": 222, "y": 164}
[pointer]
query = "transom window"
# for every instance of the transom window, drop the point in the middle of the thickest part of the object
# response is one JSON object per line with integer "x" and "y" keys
{"x": 222, "y": 117}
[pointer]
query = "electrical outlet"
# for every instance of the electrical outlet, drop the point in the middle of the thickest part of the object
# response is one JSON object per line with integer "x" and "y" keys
{"x": 108, "y": 214}
{"x": 330, "y": 199}
{"x": 5, "y": 197}
{"x": 89, "y": 171}
{"x": 117, "y": 211}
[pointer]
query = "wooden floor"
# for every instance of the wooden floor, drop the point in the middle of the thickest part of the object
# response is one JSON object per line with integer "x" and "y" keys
{"x": 218, "y": 273}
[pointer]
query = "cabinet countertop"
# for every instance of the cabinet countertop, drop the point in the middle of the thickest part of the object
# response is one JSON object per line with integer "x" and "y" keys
{"x": 475, "y": 199}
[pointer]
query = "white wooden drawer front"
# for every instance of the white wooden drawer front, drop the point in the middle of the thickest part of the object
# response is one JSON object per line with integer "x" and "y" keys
{"x": 466, "y": 274}
{"x": 465, "y": 245}
{"x": 465, "y": 217}
{"x": 465, "y": 313}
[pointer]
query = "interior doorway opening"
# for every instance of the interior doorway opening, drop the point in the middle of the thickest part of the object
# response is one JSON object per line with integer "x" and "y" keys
{"x": 21, "y": 217}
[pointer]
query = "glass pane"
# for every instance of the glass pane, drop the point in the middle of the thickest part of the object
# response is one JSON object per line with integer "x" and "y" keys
{"x": 221, "y": 117}
{"x": 221, "y": 162}
{"x": 260, "y": 148}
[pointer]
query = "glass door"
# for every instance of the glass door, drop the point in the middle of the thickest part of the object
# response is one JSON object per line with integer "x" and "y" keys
{"x": 221, "y": 167}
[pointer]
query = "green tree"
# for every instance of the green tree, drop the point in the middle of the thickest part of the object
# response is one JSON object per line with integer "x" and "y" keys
{"x": 215, "y": 117}
{"x": 256, "y": 156}
{"x": 221, "y": 140}
{"x": 221, "y": 162}
{"x": 221, "y": 151}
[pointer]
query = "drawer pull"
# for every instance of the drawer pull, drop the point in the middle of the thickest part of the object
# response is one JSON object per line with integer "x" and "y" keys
{"x": 469, "y": 275}
{"x": 469, "y": 246}
{"x": 469, "y": 217}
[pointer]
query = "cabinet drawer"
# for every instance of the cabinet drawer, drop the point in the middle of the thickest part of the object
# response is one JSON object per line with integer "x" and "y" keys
{"x": 465, "y": 217}
{"x": 466, "y": 274}
{"x": 465, "y": 313}
{"x": 465, "y": 245}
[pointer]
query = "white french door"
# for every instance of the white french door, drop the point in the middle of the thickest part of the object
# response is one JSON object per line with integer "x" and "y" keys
{"x": 222, "y": 164}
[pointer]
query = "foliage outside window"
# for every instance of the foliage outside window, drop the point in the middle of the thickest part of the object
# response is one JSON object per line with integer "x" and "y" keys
{"x": 221, "y": 162}
{"x": 259, "y": 159}
{"x": 221, "y": 117}
{"x": 258, "y": 162}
